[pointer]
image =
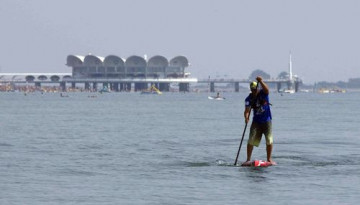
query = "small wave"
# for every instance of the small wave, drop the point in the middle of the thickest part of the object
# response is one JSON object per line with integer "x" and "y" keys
{"x": 5, "y": 145}
{"x": 299, "y": 158}
{"x": 74, "y": 172}
{"x": 220, "y": 162}
{"x": 342, "y": 162}
{"x": 299, "y": 161}
{"x": 197, "y": 164}
{"x": 90, "y": 147}
{"x": 324, "y": 163}
{"x": 317, "y": 164}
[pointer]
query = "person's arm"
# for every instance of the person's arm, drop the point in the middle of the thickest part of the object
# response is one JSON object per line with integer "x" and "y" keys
{"x": 247, "y": 113}
{"x": 263, "y": 85}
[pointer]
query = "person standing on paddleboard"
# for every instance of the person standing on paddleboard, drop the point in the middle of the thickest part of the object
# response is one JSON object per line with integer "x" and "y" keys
{"x": 258, "y": 100}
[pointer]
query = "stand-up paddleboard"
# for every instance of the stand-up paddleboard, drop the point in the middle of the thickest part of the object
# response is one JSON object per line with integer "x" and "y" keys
{"x": 257, "y": 163}
{"x": 215, "y": 98}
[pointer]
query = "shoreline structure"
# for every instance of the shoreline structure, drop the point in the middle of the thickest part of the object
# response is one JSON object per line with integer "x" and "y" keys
{"x": 136, "y": 73}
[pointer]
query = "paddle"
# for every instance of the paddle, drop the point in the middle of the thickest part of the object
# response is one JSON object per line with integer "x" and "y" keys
{"x": 242, "y": 138}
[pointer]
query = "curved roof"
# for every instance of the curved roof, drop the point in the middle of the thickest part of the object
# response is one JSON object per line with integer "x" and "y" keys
{"x": 112, "y": 60}
{"x": 73, "y": 60}
{"x": 179, "y": 61}
{"x": 132, "y": 61}
{"x": 54, "y": 78}
{"x": 33, "y": 76}
{"x": 93, "y": 60}
{"x": 135, "y": 61}
{"x": 158, "y": 61}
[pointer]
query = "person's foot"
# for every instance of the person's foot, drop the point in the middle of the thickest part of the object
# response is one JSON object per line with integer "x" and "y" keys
{"x": 272, "y": 162}
{"x": 247, "y": 163}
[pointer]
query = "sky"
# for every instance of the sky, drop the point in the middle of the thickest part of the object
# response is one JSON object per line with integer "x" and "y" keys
{"x": 220, "y": 38}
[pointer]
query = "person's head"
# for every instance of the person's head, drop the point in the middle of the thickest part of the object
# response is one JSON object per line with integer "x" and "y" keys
{"x": 253, "y": 86}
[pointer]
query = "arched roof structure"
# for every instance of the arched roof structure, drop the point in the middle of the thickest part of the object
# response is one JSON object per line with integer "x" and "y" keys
{"x": 135, "y": 61}
{"x": 158, "y": 61}
{"x": 29, "y": 78}
{"x": 93, "y": 60}
{"x": 42, "y": 77}
{"x": 73, "y": 60}
{"x": 54, "y": 78}
{"x": 112, "y": 60}
{"x": 113, "y": 66}
{"x": 179, "y": 61}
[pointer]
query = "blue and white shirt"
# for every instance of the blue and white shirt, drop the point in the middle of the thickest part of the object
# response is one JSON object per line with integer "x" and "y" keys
{"x": 260, "y": 106}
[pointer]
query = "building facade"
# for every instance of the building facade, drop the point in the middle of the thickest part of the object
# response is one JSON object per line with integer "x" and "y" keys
{"x": 115, "y": 67}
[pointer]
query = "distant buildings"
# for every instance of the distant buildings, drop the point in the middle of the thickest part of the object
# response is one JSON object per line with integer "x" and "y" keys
{"x": 121, "y": 74}
{"x": 134, "y": 73}
{"x": 115, "y": 67}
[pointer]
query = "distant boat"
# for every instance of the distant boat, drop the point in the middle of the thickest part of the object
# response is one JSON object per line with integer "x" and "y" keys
{"x": 290, "y": 91}
{"x": 215, "y": 98}
{"x": 152, "y": 90}
{"x": 63, "y": 96}
{"x": 304, "y": 91}
{"x": 322, "y": 90}
{"x": 105, "y": 89}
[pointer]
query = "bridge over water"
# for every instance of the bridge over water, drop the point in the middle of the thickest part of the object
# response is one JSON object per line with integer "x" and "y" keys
{"x": 290, "y": 84}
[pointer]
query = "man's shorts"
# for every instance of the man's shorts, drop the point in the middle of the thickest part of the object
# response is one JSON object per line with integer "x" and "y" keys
{"x": 256, "y": 132}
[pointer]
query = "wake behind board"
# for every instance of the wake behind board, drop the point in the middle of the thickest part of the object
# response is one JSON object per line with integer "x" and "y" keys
{"x": 257, "y": 163}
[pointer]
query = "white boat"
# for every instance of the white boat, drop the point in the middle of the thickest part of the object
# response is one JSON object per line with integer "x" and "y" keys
{"x": 215, "y": 98}
{"x": 322, "y": 90}
{"x": 291, "y": 91}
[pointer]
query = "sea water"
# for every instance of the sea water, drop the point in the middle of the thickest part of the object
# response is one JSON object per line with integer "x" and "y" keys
{"x": 175, "y": 148}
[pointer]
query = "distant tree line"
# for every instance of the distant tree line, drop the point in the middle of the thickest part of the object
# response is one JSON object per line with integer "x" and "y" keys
{"x": 258, "y": 72}
{"x": 264, "y": 75}
{"x": 352, "y": 83}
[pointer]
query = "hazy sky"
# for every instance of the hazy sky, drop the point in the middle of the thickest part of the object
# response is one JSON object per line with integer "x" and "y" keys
{"x": 219, "y": 37}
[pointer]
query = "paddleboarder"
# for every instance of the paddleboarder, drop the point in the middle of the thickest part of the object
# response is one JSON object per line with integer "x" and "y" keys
{"x": 258, "y": 101}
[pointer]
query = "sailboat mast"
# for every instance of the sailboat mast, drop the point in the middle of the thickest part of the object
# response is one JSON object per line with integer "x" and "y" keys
{"x": 290, "y": 68}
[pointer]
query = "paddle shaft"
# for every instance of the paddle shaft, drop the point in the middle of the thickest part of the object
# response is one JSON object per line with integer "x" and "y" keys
{"x": 242, "y": 138}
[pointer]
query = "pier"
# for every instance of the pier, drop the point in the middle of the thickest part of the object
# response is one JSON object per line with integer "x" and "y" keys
{"x": 280, "y": 83}
{"x": 135, "y": 73}
{"x": 65, "y": 80}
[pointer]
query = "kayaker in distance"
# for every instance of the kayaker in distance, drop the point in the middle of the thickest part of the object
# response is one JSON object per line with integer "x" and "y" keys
{"x": 217, "y": 95}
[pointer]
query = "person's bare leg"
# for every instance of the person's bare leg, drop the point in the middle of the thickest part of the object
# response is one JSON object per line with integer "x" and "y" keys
{"x": 249, "y": 151}
{"x": 268, "y": 153}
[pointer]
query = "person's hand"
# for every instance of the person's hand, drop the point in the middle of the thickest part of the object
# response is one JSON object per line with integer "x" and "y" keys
{"x": 259, "y": 79}
{"x": 246, "y": 120}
